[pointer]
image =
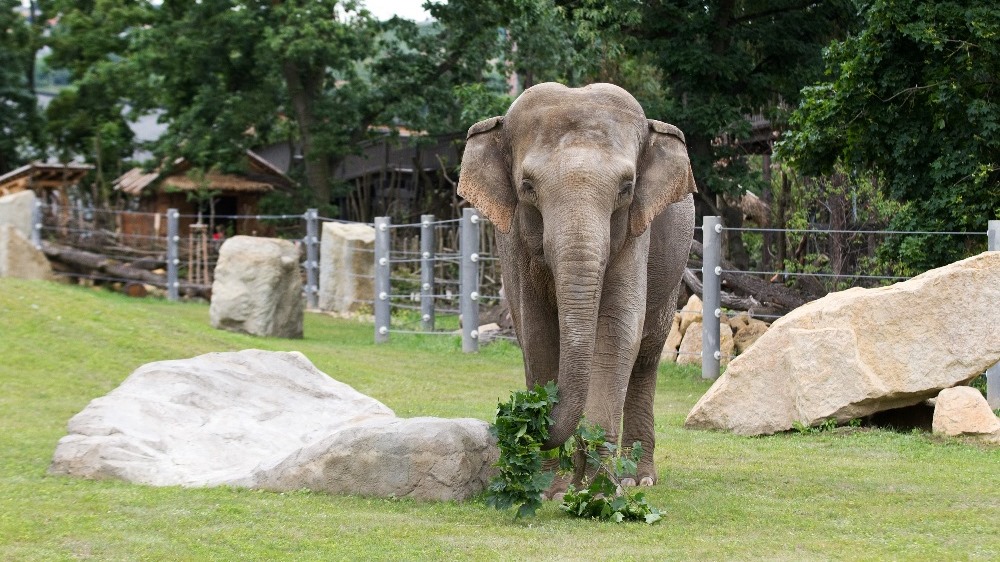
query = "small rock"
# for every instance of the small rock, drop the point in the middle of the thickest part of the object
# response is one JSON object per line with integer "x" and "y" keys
{"x": 691, "y": 346}
{"x": 258, "y": 288}
{"x": 20, "y": 258}
{"x": 690, "y": 313}
{"x": 673, "y": 340}
{"x": 346, "y": 267}
{"x": 748, "y": 333}
{"x": 962, "y": 410}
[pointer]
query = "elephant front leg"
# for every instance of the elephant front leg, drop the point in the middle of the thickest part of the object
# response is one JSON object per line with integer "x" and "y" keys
{"x": 638, "y": 422}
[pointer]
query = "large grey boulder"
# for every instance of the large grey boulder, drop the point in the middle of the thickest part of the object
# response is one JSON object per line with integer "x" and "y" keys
{"x": 269, "y": 420}
{"x": 258, "y": 288}
{"x": 861, "y": 351}
{"x": 20, "y": 258}
{"x": 17, "y": 210}
{"x": 346, "y": 266}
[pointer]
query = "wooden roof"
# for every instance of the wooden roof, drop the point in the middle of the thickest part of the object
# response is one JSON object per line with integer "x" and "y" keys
{"x": 262, "y": 176}
{"x": 43, "y": 175}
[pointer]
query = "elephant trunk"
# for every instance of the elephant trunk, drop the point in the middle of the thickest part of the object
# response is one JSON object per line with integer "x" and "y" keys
{"x": 578, "y": 271}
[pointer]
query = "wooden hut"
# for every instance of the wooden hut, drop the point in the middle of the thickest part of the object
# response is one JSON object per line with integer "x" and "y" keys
{"x": 229, "y": 201}
{"x": 46, "y": 179}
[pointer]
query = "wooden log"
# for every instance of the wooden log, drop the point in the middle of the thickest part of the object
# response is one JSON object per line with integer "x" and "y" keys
{"x": 731, "y": 301}
{"x": 765, "y": 292}
{"x": 98, "y": 265}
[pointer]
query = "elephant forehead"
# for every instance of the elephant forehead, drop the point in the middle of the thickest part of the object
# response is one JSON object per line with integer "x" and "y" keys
{"x": 586, "y": 160}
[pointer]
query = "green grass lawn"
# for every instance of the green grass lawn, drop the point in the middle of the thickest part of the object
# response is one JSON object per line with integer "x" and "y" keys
{"x": 848, "y": 494}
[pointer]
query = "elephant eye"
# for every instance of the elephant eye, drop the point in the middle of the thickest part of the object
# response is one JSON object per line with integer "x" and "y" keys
{"x": 527, "y": 187}
{"x": 626, "y": 187}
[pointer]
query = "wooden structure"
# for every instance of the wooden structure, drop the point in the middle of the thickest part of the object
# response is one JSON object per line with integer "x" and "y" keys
{"x": 401, "y": 176}
{"x": 45, "y": 179}
{"x": 229, "y": 202}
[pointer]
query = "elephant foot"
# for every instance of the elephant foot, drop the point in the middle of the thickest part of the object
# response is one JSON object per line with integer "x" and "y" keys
{"x": 559, "y": 484}
{"x": 629, "y": 482}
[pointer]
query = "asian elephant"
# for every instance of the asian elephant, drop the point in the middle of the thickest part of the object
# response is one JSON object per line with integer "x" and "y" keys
{"x": 592, "y": 206}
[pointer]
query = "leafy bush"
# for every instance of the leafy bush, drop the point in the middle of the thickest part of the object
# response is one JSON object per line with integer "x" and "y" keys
{"x": 522, "y": 426}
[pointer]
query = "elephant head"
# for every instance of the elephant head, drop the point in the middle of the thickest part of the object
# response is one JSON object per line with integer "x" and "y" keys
{"x": 574, "y": 177}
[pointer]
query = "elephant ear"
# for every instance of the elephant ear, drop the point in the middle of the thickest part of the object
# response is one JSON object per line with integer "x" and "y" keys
{"x": 485, "y": 177}
{"x": 663, "y": 176}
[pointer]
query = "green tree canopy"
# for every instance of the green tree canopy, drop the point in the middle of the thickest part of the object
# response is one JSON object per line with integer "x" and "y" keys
{"x": 913, "y": 98}
{"x": 19, "y": 124}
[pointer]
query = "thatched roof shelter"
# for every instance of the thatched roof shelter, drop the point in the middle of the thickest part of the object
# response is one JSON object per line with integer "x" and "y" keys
{"x": 42, "y": 176}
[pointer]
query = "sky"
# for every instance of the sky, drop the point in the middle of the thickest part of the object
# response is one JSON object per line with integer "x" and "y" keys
{"x": 409, "y": 9}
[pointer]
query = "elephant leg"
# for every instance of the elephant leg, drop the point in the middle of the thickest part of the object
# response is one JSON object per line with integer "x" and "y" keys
{"x": 638, "y": 417}
{"x": 670, "y": 236}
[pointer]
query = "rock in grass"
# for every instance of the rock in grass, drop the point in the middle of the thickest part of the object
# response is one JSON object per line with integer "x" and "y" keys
{"x": 258, "y": 288}
{"x": 346, "y": 267}
{"x": 269, "y": 420}
{"x": 963, "y": 411}
{"x": 861, "y": 351}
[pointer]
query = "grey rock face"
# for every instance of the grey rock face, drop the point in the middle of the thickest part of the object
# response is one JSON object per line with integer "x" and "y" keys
{"x": 20, "y": 258}
{"x": 346, "y": 266}
{"x": 16, "y": 210}
{"x": 269, "y": 420}
{"x": 861, "y": 351}
{"x": 258, "y": 288}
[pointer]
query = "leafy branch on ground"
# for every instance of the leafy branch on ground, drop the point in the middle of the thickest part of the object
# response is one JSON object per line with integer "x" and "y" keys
{"x": 522, "y": 426}
{"x": 605, "y": 497}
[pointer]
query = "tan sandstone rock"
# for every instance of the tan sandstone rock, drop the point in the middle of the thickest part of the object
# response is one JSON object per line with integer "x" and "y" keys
{"x": 258, "y": 288}
{"x": 861, "y": 351}
{"x": 20, "y": 258}
{"x": 346, "y": 266}
{"x": 690, "y": 313}
{"x": 748, "y": 333}
{"x": 962, "y": 410}
{"x": 691, "y": 346}
{"x": 673, "y": 340}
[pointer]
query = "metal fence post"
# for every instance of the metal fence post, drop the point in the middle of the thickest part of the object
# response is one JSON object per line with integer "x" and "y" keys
{"x": 711, "y": 275}
{"x": 383, "y": 312}
{"x": 427, "y": 244}
{"x": 993, "y": 373}
{"x": 469, "y": 279}
{"x": 36, "y": 223}
{"x": 173, "y": 256}
{"x": 312, "y": 258}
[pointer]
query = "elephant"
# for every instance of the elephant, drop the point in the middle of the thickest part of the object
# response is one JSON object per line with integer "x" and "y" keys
{"x": 594, "y": 215}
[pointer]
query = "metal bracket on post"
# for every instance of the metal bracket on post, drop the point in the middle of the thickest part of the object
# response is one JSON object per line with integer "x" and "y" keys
{"x": 36, "y": 223}
{"x": 427, "y": 244}
{"x": 711, "y": 276}
{"x": 312, "y": 258}
{"x": 993, "y": 373}
{"x": 383, "y": 311}
{"x": 173, "y": 256}
{"x": 469, "y": 279}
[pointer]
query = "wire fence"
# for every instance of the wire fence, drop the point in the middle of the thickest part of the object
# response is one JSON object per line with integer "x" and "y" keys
{"x": 432, "y": 275}
{"x": 712, "y": 271}
{"x": 434, "y": 288}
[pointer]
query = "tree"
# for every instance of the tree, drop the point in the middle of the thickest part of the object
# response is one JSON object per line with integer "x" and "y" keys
{"x": 19, "y": 122}
{"x": 724, "y": 60}
{"x": 912, "y": 98}
{"x": 231, "y": 74}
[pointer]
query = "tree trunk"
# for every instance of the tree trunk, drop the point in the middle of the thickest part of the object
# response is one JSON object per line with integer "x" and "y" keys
{"x": 304, "y": 89}
{"x": 732, "y": 217}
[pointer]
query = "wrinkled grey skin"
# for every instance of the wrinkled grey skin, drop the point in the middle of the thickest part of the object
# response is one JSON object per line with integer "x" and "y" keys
{"x": 594, "y": 216}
